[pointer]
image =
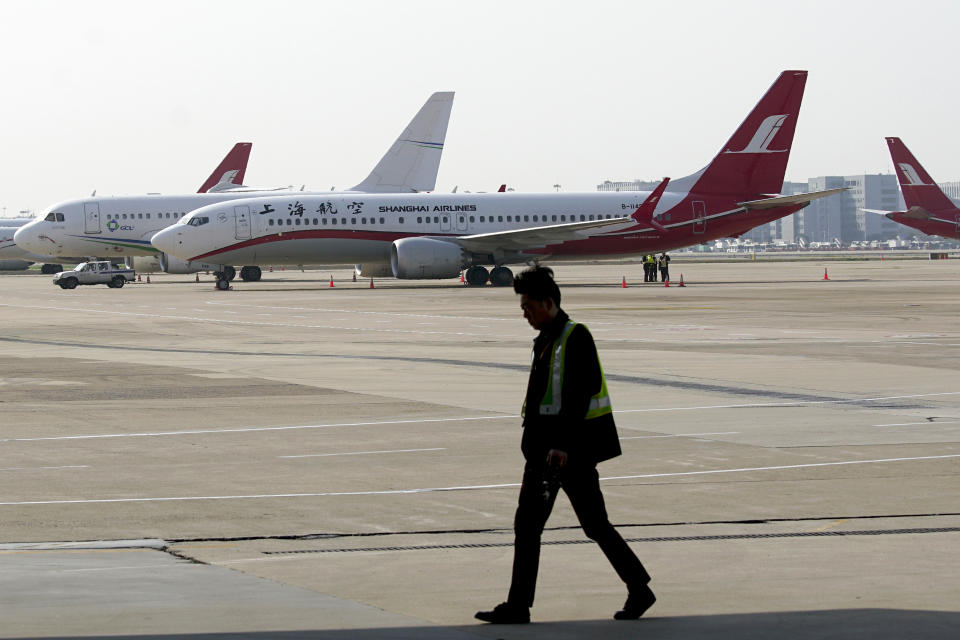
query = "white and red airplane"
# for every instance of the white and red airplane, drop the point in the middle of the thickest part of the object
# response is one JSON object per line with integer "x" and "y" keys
{"x": 437, "y": 235}
{"x": 928, "y": 208}
{"x": 121, "y": 226}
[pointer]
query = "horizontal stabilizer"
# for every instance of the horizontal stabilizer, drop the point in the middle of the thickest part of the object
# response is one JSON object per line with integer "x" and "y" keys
{"x": 644, "y": 213}
{"x": 784, "y": 201}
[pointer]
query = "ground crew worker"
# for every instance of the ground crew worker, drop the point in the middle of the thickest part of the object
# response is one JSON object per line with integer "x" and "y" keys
{"x": 664, "y": 263}
{"x": 652, "y": 262}
{"x": 567, "y": 429}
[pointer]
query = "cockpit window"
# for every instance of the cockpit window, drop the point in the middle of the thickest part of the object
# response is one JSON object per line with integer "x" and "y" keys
{"x": 54, "y": 217}
{"x": 197, "y": 221}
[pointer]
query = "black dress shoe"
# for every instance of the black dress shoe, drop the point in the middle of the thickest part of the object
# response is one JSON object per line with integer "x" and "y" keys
{"x": 505, "y": 613}
{"x": 637, "y": 603}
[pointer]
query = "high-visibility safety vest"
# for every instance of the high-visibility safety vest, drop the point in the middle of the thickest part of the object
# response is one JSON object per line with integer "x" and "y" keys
{"x": 550, "y": 405}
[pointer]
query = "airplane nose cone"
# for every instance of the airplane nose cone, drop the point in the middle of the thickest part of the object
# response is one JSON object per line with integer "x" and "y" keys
{"x": 26, "y": 238}
{"x": 169, "y": 241}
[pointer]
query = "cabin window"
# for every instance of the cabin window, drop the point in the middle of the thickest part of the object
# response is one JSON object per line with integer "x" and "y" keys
{"x": 499, "y": 218}
{"x": 419, "y": 219}
{"x": 401, "y": 219}
{"x": 582, "y": 217}
{"x": 333, "y": 220}
{"x": 270, "y": 222}
{"x": 381, "y": 220}
{"x": 323, "y": 220}
{"x": 363, "y": 221}
{"x": 534, "y": 218}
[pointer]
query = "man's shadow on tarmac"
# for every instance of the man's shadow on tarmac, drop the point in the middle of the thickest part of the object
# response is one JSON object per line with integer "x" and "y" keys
{"x": 872, "y": 624}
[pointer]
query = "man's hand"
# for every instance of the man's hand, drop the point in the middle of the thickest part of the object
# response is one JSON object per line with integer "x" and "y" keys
{"x": 556, "y": 458}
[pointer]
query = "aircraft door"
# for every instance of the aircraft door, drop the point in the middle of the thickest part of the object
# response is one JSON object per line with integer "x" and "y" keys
{"x": 699, "y": 216}
{"x": 91, "y": 217}
{"x": 445, "y": 222}
{"x": 242, "y": 215}
{"x": 461, "y": 221}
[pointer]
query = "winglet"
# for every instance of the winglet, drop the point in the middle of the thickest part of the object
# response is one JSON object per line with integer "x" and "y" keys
{"x": 644, "y": 213}
{"x": 229, "y": 173}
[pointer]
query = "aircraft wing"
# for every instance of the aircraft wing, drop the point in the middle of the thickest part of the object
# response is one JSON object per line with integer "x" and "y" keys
{"x": 781, "y": 201}
{"x": 521, "y": 239}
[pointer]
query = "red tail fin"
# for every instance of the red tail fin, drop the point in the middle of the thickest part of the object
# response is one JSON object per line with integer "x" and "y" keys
{"x": 919, "y": 189}
{"x": 234, "y": 162}
{"x": 754, "y": 160}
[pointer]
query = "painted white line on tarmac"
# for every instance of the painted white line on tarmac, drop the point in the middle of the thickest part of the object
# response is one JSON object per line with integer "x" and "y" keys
{"x": 361, "y": 453}
{"x": 391, "y": 492}
{"x": 253, "y": 429}
{"x": 683, "y": 435}
{"x": 465, "y": 419}
{"x": 208, "y": 320}
{"x": 72, "y": 466}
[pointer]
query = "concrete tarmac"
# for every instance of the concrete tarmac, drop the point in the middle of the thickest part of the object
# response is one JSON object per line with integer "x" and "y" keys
{"x": 288, "y": 459}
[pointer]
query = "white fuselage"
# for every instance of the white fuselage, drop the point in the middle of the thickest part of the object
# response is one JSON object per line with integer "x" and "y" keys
{"x": 360, "y": 228}
{"x": 117, "y": 226}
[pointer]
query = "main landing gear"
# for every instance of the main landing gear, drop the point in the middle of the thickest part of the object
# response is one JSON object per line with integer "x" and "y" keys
{"x": 250, "y": 274}
{"x": 478, "y": 276}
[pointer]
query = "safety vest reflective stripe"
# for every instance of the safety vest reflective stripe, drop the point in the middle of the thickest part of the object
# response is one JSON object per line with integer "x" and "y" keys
{"x": 551, "y": 403}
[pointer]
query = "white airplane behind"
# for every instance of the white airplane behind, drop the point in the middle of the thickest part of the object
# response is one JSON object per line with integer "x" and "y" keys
{"x": 121, "y": 227}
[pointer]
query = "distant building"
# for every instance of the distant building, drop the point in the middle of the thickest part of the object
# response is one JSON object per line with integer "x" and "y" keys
{"x": 952, "y": 189}
{"x": 633, "y": 185}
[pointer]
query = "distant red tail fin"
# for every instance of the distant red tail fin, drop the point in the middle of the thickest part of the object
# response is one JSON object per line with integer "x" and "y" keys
{"x": 229, "y": 173}
{"x": 754, "y": 160}
{"x": 919, "y": 189}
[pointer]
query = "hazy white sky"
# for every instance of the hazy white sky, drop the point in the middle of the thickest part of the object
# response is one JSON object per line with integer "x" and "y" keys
{"x": 133, "y": 97}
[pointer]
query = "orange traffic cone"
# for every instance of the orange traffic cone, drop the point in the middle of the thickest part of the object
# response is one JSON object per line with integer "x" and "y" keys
{"x": 139, "y": 279}
{"x": 681, "y": 281}
{"x": 354, "y": 276}
{"x": 623, "y": 283}
{"x": 197, "y": 278}
{"x": 371, "y": 283}
{"x": 825, "y": 277}
{"x": 271, "y": 268}
{"x": 462, "y": 279}
{"x": 148, "y": 278}
{"x": 666, "y": 282}
{"x": 282, "y": 268}
{"x": 331, "y": 281}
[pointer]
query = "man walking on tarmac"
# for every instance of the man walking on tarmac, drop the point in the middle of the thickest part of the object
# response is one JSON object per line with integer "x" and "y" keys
{"x": 652, "y": 264}
{"x": 567, "y": 429}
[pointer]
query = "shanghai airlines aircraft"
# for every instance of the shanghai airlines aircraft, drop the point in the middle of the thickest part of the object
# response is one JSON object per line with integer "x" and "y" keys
{"x": 436, "y": 236}
{"x": 123, "y": 226}
{"x": 43, "y": 235}
{"x": 928, "y": 209}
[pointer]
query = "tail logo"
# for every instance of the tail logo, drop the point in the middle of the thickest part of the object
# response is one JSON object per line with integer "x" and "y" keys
{"x": 911, "y": 174}
{"x": 764, "y": 135}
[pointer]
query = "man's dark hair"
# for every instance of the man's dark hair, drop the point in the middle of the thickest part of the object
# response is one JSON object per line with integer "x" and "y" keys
{"x": 537, "y": 284}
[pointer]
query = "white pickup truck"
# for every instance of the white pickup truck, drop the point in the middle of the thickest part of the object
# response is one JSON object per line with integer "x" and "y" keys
{"x": 100, "y": 272}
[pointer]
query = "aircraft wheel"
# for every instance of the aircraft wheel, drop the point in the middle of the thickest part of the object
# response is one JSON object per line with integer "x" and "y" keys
{"x": 223, "y": 284}
{"x": 251, "y": 274}
{"x": 501, "y": 277}
{"x": 477, "y": 276}
{"x": 229, "y": 273}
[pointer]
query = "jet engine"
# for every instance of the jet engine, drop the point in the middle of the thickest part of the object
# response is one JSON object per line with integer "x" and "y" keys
{"x": 425, "y": 258}
{"x": 374, "y": 270}
{"x": 166, "y": 264}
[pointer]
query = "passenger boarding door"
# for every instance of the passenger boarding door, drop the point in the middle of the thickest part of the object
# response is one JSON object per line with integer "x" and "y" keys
{"x": 699, "y": 217}
{"x": 445, "y": 222}
{"x": 461, "y": 222}
{"x": 242, "y": 214}
{"x": 91, "y": 217}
